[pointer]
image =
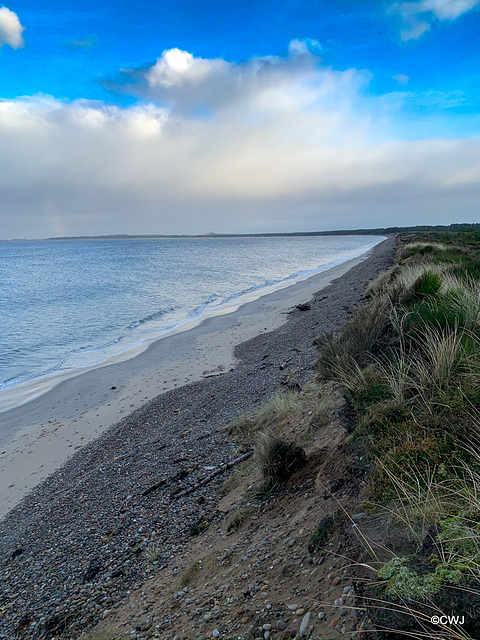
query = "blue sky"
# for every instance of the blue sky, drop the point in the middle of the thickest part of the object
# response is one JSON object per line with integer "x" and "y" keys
{"x": 343, "y": 97}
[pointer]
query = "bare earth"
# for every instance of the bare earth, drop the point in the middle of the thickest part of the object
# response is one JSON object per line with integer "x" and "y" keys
{"x": 75, "y": 547}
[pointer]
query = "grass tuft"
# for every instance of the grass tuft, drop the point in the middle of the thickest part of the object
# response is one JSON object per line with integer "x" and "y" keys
{"x": 276, "y": 458}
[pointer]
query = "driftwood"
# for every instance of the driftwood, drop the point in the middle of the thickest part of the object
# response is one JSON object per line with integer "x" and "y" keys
{"x": 157, "y": 485}
{"x": 215, "y": 472}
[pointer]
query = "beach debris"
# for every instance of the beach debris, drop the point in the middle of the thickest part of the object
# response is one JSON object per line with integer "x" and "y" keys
{"x": 216, "y": 472}
{"x": 112, "y": 388}
{"x": 303, "y": 306}
{"x": 157, "y": 485}
{"x": 290, "y": 380}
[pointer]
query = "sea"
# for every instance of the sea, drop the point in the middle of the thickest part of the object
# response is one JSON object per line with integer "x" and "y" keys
{"x": 67, "y": 305}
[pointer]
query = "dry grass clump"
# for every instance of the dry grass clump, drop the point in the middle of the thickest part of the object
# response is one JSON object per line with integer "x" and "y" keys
{"x": 280, "y": 407}
{"x": 240, "y": 516}
{"x": 241, "y": 426}
{"x": 276, "y": 458}
{"x": 350, "y": 348}
{"x": 152, "y": 553}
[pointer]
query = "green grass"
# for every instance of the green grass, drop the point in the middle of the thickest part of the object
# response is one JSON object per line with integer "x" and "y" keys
{"x": 410, "y": 363}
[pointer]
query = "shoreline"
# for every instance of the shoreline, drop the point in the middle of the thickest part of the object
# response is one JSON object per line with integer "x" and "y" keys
{"x": 20, "y": 393}
{"x": 40, "y": 435}
{"x": 93, "y": 513}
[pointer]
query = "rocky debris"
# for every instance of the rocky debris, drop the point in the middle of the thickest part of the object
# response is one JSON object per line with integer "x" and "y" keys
{"x": 304, "y": 306}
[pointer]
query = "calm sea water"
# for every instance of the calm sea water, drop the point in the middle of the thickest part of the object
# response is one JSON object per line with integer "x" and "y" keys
{"x": 69, "y": 304}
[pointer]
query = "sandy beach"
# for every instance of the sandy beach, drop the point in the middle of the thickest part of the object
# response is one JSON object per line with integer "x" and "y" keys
{"x": 92, "y": 515}
{"x": 40, "y": 435}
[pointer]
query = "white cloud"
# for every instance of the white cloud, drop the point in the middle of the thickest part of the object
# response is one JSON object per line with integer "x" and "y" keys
{"x": 401, "y": 78}
{"x": 288, "y": 145}
{"x": 304, "y": 46}
{"x": 10, "y": 29}
{"x": 418, "y": 17}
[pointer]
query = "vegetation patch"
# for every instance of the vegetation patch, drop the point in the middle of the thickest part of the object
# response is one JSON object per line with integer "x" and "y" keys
{"x": 276, "y": 458}
{"x": 409, "y": 361}
{"x": 322, "y": 534}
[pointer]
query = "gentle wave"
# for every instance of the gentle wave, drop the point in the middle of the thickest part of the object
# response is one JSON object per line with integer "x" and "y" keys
{"x": 152, "y": 316}
{"x": 153, "y": 325}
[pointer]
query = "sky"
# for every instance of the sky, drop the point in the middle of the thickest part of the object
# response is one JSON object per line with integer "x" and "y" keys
{"x": 198, "y": 116}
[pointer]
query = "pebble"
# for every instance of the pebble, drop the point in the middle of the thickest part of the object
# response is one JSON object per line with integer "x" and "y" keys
{"x": 281, "y": 625}
{"x": 336, "y": 580}
{"x": 216, "y": 633}
{"x": 358, "y": 516}
{"x": 299, "y": 612}
{"x": 207, "y": 616}
{"x": 321, "y": 615}
{"x": 293, "y": 607}
{"x": 266, "y": 635}
{"x": 267, "y": 627}
{"x": 334, "y": 622}
{"x": 244, "y": 620}
{"x": 304, "y": 624}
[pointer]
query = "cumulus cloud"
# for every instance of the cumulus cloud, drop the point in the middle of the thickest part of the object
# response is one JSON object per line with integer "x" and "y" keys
{"x": 10, "y": 29}
{"x": 186, "y": 83}
{"x": 418, "y": 17}
{"x": 291, "y": 145}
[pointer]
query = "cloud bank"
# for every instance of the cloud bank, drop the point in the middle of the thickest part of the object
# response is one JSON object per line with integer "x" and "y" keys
{"x": 273, "y": 144}
{"x": 10, "y": 29}
{"x": 419, "y": 16}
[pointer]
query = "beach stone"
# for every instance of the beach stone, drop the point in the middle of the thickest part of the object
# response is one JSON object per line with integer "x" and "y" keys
{"x": 207, "y": 616}
{"x": 358, "y": 516}
{"x": 216, "y": 633}
{"x": 293, "y": 607}
{"x": 336, "y": 580}
{"x": 281, "y": 625}
{"x": 244, "y": 620}
{"x": 266, "y": 635}
{"x": 334, "y": 622}
{"x": 299, "y": 612}
{"x": 304, "y": 624}
{"x": 321, "y": 615}
{"x": 267, "y": 627}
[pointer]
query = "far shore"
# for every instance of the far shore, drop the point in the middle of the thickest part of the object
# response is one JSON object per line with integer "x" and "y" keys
{"x": 41, "y": 435}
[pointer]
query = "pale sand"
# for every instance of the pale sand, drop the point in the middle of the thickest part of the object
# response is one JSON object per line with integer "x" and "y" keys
{"x": 47, "y": 430}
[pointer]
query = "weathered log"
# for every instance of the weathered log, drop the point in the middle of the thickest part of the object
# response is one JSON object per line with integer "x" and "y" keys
{"x": 213, "y": 474}
{"x": 157, "y": 485}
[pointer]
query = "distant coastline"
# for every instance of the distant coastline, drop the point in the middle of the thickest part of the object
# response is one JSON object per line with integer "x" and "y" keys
{"x": 384, "y": 231}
